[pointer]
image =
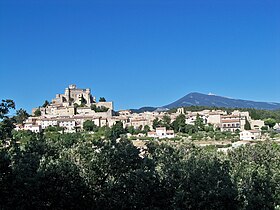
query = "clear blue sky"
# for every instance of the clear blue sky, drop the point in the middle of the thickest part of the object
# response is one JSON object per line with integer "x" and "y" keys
{"x": 140, "y": 52}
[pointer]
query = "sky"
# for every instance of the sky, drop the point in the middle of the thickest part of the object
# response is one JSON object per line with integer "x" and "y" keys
{"x": 141, "y": 52}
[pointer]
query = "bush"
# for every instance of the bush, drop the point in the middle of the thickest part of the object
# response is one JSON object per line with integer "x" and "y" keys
{"x": 99, "y": 108}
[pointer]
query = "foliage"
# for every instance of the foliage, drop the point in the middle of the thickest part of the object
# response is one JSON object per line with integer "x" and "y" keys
{"x": 46, "y": 103}
{"x": 5, "y": 107}
{"x": 179, "y": 123}
{"x": 270, "y": 122}
{"x": 146, "y": 129}
{"x": 21, "y": 116}
{"x": 199, "y": 124}
{"x": 156, "y": 123}
{"x": 74, "y": 171}
{"x": 247, "y": 125}
{"x": 255, "y": 171}
{"x": 89, "y": 125}
{"x": 6, "y": 123}
{"x": 83, "y": 100}
{"x": 99, "y": 108}
{"x": 102, "y": 99}
{"x": 37, "y": 112}
{"x": 116, "y": 131}
{"x": 53, "y": 129}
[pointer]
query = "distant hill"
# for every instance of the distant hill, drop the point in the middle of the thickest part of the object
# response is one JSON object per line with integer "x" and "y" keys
{"x": 199, "y": 99}
{"x": 144, "y": 109}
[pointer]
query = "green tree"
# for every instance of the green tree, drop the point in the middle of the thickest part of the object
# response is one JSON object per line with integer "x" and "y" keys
{"x": 6, "y": 123}
{"x": 247, "y": 125}
{"x": 102, "y": 99}
{"x": 166, "y": 121}
{"x": 255, "y": 172}
{"x": 179, "y": 123}
{"x": 83, "y": 101}
{"x": 99, "y": 108}
{"x": 116, "y": 130}
{"x": 199, "y": 123}
{"x": 21, "y": 116}
{"x": 190, "y": 129}
{"x": 37, "y": 112}
{"x": 53, "y": 129}
{"x": 89, "y": 125}
{"x": 46, "y": 103}
{"x": 146, "y": 129}
{"x": 5, "y": 107}
{"x": 157, "y": 123}
{"x": 270, "y": 122}
{"x": 131, "y": 130}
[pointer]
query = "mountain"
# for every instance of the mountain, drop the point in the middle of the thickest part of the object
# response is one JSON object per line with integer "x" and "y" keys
{"x": 199, "y": 99}
{"x": 144, "y": 109}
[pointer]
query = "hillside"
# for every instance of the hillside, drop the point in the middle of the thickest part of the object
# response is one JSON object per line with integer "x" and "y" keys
{"x": 199, "y": 99}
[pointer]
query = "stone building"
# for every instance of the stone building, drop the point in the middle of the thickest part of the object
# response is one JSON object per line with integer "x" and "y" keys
{"x": 76, "y": 101}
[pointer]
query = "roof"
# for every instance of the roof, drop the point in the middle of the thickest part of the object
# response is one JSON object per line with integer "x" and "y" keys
{"x": 152, "y": 132}
{"x": 230, "y": 121}
{"x": 161, "y": 128}
{"x": 252, "y": 131}
{"x": 230, "y": 116}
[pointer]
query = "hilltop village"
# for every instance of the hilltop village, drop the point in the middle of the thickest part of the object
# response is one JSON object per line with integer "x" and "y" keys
{"x": 72, "y": 109}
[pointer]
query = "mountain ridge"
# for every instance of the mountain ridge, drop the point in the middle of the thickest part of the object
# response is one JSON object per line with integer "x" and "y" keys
{"x": 200, "y": 99}
{"x": 211, "y": 100}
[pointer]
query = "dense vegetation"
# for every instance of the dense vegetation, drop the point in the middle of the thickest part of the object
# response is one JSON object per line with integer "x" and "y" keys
{"x": 106, "y": 171}
{"x": 75, "y": 171}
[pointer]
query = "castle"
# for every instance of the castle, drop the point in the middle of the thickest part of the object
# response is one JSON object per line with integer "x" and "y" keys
{"x": 74, "y": 95}
{"x": 76, "y": 101}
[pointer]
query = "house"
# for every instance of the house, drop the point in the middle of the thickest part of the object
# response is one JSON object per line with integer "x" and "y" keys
{"x": 230, "y": 123}
{"x": 68, "y": 124}
{"x": 161, "y": 133}
{"x": 250, "y": 135}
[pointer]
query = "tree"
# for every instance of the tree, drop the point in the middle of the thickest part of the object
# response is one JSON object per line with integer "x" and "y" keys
{"x": 6, "y": 123}
{"x": 131, "y": 130}
{"x": 99, "y": 108}
{"x": 247, "y": 125}
{"x": 37, "y": 113}
{"x": 46, "y": 103}
{"x": 102, "y": 99}
{"x": 179, "y": 123}
{"x": 21, "y": 116}
{"x": 116, "y": 130}
{"x": 270, "y": 122}
{"x": 5, "y": 107}
{"x": 89, "y": 125}
{"x": 83, "y": 101}
{"x": 190, "y": 129}
{"x": 146, "y": 129}
{"x": 255, "y": 172}
{"x": 199, "y": 123}
{"x": 166, "y": 121}
{"x": 157, "y": 123}
{"x": 53, "y": 129}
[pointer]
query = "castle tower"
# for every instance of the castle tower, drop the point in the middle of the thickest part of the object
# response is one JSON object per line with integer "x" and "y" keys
{"x": 67, "y": 94}
{"x": 73, "y": 86}
{"x": 88, "y": 96}
{"x": 181, "y": 110}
